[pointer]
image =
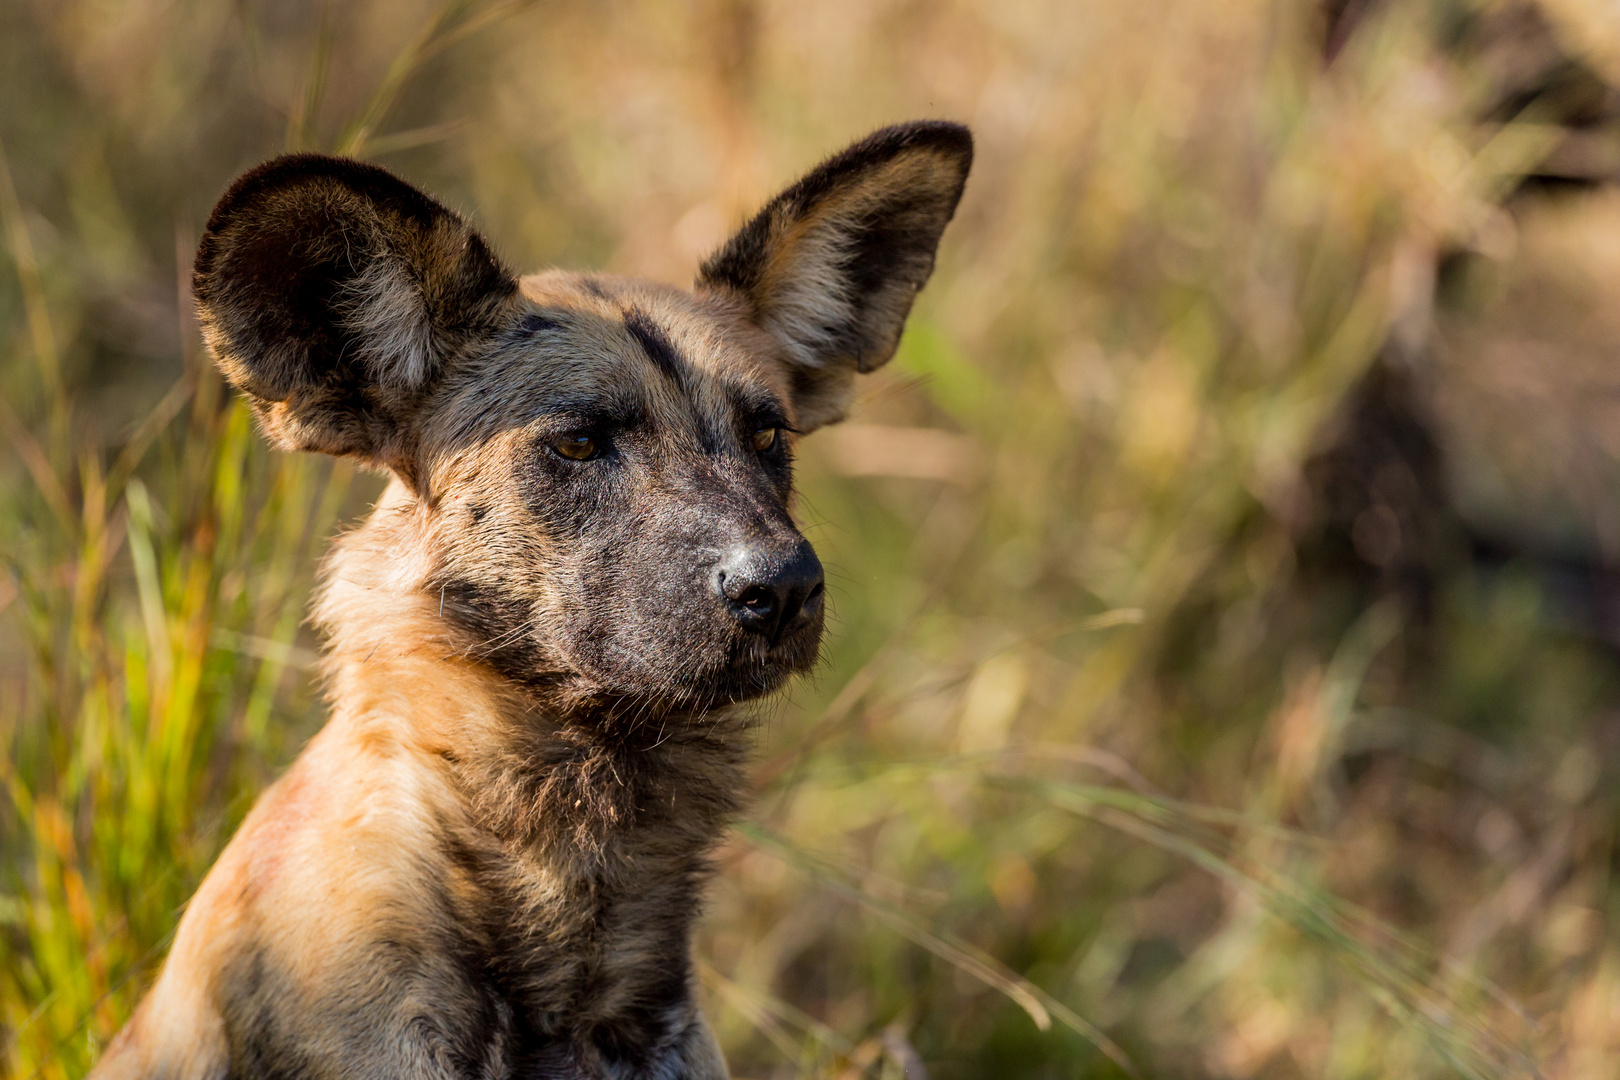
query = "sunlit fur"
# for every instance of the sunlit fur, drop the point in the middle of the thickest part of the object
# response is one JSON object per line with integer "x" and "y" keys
{"x": 488, "y": 862}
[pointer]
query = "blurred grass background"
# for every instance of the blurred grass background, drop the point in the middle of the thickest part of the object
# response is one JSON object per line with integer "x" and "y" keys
{"x": 1223, "y": 678}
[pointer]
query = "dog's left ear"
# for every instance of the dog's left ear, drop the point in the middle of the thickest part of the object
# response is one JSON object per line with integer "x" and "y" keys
{"x": 831, "y": 266}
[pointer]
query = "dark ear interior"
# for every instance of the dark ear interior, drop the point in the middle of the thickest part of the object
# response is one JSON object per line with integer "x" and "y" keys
{"x": 333, "y": 294}
{"x": 831, "y": 266}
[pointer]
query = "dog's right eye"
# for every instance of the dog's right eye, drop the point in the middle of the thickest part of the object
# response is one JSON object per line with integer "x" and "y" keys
{"x": 575, "y": 446}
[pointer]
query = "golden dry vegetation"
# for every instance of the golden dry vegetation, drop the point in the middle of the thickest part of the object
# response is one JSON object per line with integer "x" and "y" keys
{"x": 1224, "y": 676}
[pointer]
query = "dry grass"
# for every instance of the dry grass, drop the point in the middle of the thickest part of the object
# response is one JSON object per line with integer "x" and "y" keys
{"x": 1112, "y": 766}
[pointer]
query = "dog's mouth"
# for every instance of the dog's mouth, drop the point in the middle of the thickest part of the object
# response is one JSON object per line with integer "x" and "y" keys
{"x": 742, "y": 669}
{"x": 766, "y": 667}
{"x": 752, "y": 668}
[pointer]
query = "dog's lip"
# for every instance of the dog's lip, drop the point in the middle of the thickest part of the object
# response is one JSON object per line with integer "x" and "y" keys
{"x": 749, "y": 668}
{"x": 773, "y": 667}
{"x": 792, "y": 646}
{"x": 777, "y": 659}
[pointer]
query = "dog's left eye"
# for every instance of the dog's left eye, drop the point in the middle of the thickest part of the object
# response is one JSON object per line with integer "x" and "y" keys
{"x": 764, "y": 439}
{"x": 575, "y": 446}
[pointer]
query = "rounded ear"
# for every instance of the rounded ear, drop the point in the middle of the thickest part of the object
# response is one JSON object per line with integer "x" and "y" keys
{"x": 831, "y": 266}
{"x": 333, "y": 294}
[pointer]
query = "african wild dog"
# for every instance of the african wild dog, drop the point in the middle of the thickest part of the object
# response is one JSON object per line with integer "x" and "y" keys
{"x": 488, "y": 862}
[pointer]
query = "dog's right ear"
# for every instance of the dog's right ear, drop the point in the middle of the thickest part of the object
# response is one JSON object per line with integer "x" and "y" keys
{"x": 831, "y": 266}
{"x": 333, "y": 294}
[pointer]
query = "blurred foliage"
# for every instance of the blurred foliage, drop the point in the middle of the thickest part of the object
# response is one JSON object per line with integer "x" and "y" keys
{"x": 1223, "y": 678}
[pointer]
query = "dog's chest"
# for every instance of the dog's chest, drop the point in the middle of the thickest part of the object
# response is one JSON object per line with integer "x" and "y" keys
{"x": 589, "y": 967}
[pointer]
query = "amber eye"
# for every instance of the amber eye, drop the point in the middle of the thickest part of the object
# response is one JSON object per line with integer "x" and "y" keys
{"x": 764, "y": 439}
{"x": 575, "y": 446}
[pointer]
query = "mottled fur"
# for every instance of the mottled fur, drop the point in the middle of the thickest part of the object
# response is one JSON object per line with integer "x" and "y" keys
{"x": 488, "y": 862}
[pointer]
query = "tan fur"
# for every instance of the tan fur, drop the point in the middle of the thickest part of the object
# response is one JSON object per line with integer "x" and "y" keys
{"x": 487, "y": 862}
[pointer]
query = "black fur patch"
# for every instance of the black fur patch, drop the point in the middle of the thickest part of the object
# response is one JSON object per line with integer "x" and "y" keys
{"x": 533, "y": 323}
{"x": 656, "y": 344}
{"x": 498, "y": 630}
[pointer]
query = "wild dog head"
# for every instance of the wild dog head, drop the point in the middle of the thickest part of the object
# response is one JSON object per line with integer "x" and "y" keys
{"x": 599, "y": 468}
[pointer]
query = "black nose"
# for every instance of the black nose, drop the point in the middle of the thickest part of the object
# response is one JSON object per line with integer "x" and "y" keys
{"x": 771, "y": 589}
